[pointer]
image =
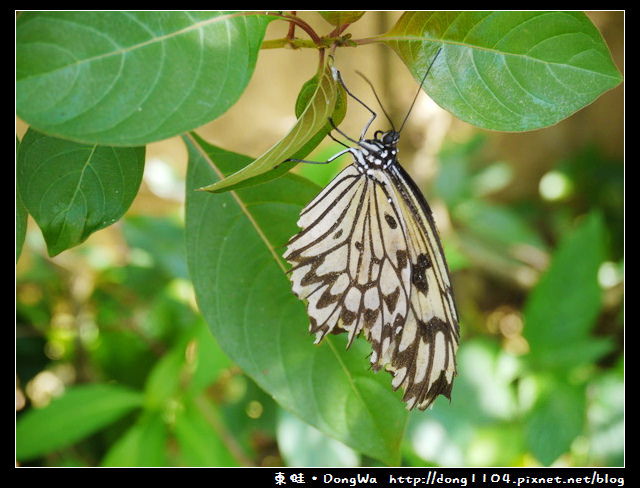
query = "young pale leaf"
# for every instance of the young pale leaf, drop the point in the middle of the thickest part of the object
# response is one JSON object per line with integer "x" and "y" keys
{"x": 312, "y": 125}
{"x": 234, "y": 246}
{"x": 80, "y": 412}
{"x": 72, "y": 189}
{"x": 510, "y": 71}
{"x": 130, "y": 78}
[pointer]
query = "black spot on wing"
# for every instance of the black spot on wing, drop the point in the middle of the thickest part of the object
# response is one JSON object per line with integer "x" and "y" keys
{"x": 391, "y": 299}
{"x": 419, "y": 271}
{"x": 390, "y": 221}
{"x": 401, "y": 257}
{"x": 347, "y": 316}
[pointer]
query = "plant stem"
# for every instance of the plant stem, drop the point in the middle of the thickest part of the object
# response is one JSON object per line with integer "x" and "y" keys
{"x": 305, "y": 27}
{"x": 283, "y": 42}
{"x": 334, "y": 38}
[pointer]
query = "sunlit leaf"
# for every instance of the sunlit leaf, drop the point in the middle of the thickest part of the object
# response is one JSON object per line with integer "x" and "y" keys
{"x": 506, "y": 70}
{"x": 130, "y": 78}
{"x": 302, "y": 445}
{"x": 81, "y": 411}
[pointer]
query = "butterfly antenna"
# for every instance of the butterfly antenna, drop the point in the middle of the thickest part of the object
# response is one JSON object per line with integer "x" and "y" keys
{"x": 377, "y": 98}
{"x": 424, "y": 78}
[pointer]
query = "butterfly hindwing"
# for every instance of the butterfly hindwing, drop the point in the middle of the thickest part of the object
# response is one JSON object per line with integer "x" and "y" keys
{"x": 424, "y": 360}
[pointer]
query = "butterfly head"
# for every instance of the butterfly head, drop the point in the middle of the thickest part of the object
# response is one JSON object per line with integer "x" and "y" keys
{"x": 388, "y": 139}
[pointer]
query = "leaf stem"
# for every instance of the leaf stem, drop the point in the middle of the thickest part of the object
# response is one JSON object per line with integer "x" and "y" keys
{"x": 283, "y": 42}
{"x": 317, "y": 40}
{"x": 333, "y": 39}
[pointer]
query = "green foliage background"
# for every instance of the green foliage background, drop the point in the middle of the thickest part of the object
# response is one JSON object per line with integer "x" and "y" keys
{"x": 154, "y": 321}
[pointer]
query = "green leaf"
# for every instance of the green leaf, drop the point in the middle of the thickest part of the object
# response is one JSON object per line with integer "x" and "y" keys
{"x": 130, "y": 78}
{"x": 556, "y": 420}
{"x": 511, "y": 71}
{"x": 500, "y": 225}
{"x": 165, "y": 379}
{"x": 191, "y": 365}
{"x": 73, "y": 190}
{"x": 234, "y": 246}
{"x": 142, "y": 445}
{"x": 21, "y": 217}
{"x": 81, "y": 411}
{"x": 562, "y": 308}
{"x": 210, "y": 361}
{"x": 310, "y": 128}
{"x": 200, "y": 444}
{"x": 308, "y": 96}
{"x": 490, "y": 372}
{"x": 496, "y": 444}
{"x": 300, "y": 444}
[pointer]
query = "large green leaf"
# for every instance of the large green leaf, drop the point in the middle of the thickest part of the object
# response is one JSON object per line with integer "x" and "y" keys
{"x": 317, "y": 101}
{"x": 511, "y": 71}
{"x": 562, "y": 308}
{"x": 72, "y": 189}
{"x": 129, "y": 78}
{"x": 234, "y": 245}
{"x": 81, "y": 411}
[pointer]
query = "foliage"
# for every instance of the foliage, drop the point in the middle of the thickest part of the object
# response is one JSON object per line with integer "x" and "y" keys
{"x": 156, "y": 382}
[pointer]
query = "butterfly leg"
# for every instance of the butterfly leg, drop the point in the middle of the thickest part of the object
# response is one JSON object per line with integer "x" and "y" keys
{"x": 332, "y": 158}
{"x": 373, "y": 114}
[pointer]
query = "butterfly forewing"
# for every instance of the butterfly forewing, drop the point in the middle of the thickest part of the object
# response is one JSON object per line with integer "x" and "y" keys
{"x": 345, "y": 263}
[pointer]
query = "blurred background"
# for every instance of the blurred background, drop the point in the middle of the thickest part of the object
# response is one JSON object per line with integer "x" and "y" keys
{"x": 116, "y": 308}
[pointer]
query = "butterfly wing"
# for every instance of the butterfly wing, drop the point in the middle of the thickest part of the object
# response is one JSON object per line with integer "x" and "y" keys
{"x": 423, "y": 362}
{"x": 342, "y": 266}
{"x": 368, "y": 260}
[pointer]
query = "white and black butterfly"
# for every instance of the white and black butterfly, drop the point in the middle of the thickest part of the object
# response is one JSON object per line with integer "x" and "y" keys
{"x": 368, "y": 259}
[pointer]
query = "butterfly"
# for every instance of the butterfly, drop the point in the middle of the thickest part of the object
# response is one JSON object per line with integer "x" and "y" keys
{"x": 368, "y": 259}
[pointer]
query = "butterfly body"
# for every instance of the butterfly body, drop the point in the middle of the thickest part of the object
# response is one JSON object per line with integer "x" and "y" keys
{"x": 380, "y": 152}
{"x": 368, "y": 260}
